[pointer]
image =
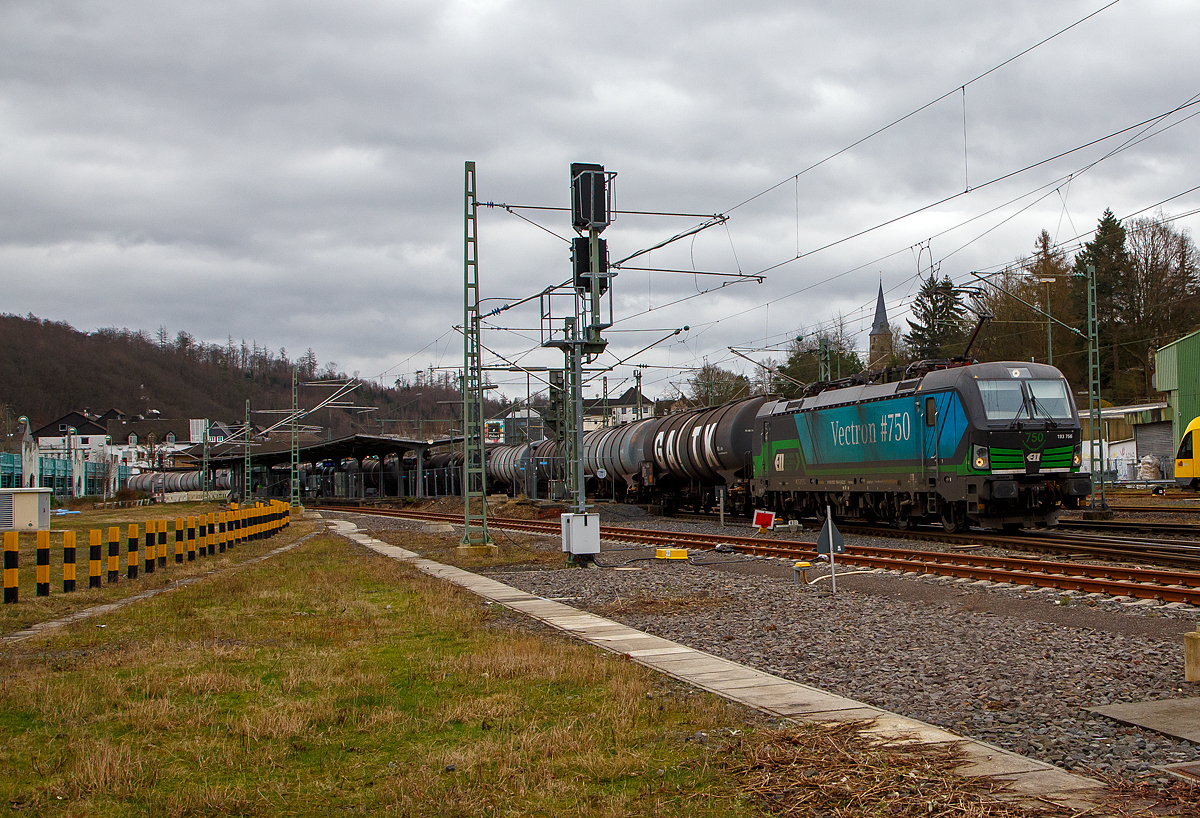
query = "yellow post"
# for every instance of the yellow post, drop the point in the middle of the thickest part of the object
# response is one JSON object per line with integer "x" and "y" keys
{"x": 95, "y": 557}
{"x": 11, "y": 559}
{"x": 201, "y": 535}
{"x": 43, "y": 563}
{"x": 151, "y": 547}
{"x": 68, "y": 561}
{"x": 131, "y": 559}
{"x": 178, "y": 539}
{"x": 191, "y": 539}
{"x": 114, "y": 553}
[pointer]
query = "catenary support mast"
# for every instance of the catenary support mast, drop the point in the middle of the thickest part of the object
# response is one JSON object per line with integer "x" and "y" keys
{"x": 475, "y": 530}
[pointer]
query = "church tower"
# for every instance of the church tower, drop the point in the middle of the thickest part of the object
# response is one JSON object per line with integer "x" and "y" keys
{"x": 880, "y": 350}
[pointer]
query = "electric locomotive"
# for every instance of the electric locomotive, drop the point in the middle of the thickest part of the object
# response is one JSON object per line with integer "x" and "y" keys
{"x": 996, "y": 445}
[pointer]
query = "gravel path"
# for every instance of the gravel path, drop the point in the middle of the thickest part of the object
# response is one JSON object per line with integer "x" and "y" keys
{"x": 996, "y": 663}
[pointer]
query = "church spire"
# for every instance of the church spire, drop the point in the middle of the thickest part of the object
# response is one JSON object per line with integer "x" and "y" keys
{"x": 880, "y": 350}
{"x": 880, "y": 327}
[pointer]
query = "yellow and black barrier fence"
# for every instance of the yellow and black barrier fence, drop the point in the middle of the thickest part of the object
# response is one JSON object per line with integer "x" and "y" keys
{"x": 146, "y": 548}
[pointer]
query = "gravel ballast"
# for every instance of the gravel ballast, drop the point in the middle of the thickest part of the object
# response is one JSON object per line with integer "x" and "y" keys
{"x": 1011, "y": 666}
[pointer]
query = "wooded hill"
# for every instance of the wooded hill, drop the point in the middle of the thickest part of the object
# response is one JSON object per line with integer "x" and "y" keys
{"x": 50, "y": 368}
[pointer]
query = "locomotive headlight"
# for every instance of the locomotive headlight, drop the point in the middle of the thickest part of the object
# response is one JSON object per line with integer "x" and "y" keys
{"x": 1077, "y": 456}
{"x": 980, "y": 457}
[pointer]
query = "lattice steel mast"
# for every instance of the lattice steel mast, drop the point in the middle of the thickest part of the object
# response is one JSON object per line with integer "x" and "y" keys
{"x": 475, "y": 530}
{"x": 246, "y": 457}
{"x": 295, "y": 483}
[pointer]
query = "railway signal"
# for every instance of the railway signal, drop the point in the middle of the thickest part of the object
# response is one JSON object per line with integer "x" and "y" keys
{"x": 830, "y": 542}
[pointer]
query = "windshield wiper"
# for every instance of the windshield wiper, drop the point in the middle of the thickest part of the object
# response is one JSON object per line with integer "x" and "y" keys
{"x": 1051, "y": 422}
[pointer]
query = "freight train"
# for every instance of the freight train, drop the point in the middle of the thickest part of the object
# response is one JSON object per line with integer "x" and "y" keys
{"x": 995, "y": 445}
{"x": 168, "y": 482}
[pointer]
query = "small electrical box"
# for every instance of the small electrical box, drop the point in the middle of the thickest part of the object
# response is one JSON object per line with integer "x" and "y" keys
{"x": 670, "y": 554}
{"x": 25, "y": 509}
{"x": 580, "y": 533}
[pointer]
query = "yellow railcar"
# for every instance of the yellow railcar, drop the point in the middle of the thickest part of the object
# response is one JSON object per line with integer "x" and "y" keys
{"x": 1187, "y": 474}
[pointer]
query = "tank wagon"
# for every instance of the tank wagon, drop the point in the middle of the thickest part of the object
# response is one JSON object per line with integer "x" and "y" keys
{"x": 677, "y": 460}
{"x": 154, "y": 482}
{"x": 996, "y": 445}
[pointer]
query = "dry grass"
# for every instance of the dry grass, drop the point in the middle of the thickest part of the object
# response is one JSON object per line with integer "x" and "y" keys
{"x": 834, "y": 770}
{"x": 515, "y": 550}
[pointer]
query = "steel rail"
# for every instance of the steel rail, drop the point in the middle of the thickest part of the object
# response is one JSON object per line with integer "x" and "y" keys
{"x": 1142, "y": 583}
{"x": 1189, "y": 529}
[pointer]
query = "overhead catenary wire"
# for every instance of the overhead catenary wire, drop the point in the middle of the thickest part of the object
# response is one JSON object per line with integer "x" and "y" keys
{"x": 926, "y": 106}
{"x": 1147, "y": 123}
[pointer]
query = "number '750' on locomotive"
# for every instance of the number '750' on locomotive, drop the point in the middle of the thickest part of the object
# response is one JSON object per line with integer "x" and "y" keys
{"x": 996, "y": 445}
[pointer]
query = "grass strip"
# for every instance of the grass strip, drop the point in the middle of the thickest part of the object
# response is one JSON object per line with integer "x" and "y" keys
{"x": 32, "y": 609}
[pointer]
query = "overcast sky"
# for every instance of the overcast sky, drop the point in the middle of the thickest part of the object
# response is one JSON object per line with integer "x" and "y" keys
{"x": 291, "y": 173}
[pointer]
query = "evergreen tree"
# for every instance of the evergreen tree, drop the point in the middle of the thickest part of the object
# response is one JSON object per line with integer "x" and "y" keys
{"x": 939, "y": 328}
{"x": 1106, "y": 251}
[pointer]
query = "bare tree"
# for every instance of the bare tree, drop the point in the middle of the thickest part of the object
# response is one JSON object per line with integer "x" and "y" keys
{"x": 1156, "y": 301}
{"x": 710, "y": 385}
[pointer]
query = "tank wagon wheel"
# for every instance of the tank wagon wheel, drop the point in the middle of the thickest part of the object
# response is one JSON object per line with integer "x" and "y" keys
{"x": 902, "y": 523}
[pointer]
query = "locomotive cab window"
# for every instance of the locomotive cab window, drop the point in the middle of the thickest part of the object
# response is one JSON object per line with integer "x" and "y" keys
{"x": 1013, "y": 399}
{"x": 1185, "y": 448}
{"x": 1049, "y": 399}
{"x": 1002, "y": 400}
{"x": 930, "y": 412}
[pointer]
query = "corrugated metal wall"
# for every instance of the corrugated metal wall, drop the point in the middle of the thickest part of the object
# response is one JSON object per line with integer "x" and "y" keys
{"x": 1177, "y": 371}
{"x": 1155, "y": 439}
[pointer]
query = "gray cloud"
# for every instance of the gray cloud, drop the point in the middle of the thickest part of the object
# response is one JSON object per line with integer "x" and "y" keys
{"x": 292, "y": 172}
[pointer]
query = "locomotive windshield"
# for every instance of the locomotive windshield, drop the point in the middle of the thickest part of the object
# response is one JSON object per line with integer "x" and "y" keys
{"x": 1013, "y": 399}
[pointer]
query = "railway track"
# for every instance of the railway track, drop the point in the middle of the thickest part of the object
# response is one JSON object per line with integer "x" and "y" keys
{"x": 1143, "y": 526}
{"x": 1184, "y": 553}
{"x": 1114, "y": 580}
{"x": 1174, "y": 509}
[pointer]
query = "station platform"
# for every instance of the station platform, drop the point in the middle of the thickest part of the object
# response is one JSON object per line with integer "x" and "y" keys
{"x": 1029, "y": 780}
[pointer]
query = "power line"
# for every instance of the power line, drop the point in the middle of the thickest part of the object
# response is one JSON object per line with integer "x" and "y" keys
{"x": 929, "y": 104}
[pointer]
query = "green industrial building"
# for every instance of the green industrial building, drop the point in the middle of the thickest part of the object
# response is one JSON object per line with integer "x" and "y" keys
{"x": 1177, "y": 372}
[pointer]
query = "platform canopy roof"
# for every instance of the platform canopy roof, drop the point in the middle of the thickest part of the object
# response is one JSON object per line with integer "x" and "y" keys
{"x": 279, "y": 449}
